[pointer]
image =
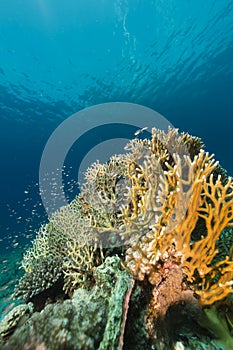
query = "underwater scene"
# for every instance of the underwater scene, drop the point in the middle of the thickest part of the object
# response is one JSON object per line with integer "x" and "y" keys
{"x": 116, "y": 206}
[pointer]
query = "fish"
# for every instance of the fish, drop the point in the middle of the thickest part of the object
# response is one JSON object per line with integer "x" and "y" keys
{"x": 3, "y": 287}
{"x": 7, "y": 299}
{"x": 7, "y": 308}
{"x": 140, "y": 131}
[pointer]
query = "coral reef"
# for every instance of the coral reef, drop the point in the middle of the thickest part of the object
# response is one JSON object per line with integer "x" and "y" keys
{"x": 144, "y": 251}
{"x": 89, "y": 320}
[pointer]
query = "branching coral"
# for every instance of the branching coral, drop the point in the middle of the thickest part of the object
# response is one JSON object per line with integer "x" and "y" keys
{"x": 78, "y": 269}
{"x": 167, "y": 205}
{"x": 42, "y": 263}
{"x": 178, "y": 212}
{"x": 49, "y": 243}
{"x": 64, "y": 247}
{"x": 103, "y": 180}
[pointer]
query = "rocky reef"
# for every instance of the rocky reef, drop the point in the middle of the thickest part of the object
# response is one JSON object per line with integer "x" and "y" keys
{"x": 142, "y": 258}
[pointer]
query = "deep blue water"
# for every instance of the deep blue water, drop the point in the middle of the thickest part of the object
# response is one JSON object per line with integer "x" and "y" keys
{"x": 58, "y": 57}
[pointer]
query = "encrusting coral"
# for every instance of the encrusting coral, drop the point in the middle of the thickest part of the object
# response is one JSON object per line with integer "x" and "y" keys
{"x": 166, "y": 208}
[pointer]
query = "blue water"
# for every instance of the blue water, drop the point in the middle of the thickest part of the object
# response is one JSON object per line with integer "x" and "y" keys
{"x": 57, "y": 57}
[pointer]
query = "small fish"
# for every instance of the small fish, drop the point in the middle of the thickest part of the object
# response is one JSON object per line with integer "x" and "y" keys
{"x": 4, "y": 261}
{"x": 3, "y": 287}
{"x": 7, "y": 299}
{"x": 140, "y": 131}
{"x": 8, "y": 308}
{"x": 14, "y": 280}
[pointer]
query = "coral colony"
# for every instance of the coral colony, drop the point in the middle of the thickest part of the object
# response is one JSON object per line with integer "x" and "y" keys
{"x": 141, "y": 258}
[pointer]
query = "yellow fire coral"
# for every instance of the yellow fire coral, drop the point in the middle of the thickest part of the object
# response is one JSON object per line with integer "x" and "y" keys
{"x": 172, "y": 197}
